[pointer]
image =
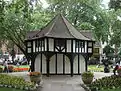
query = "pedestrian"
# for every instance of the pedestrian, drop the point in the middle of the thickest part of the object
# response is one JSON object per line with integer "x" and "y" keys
{"x": 115, "y": 69}
{"x": 29, "y": 67}
{"x": 5, "y": 66}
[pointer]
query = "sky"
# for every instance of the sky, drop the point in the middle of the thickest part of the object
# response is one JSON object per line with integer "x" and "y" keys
{"x": 45, "y": 5}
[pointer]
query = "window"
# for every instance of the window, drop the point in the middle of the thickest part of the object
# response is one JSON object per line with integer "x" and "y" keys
{"x": 29, "y": 44}
{"x": 96, "y": 50}
{"x": 60, "y": 43}
{"x": 79, "y": 44}
{"x": 40, "y": 43}
{"x": 29, "y": 50}
{"x": 89, "y": 44}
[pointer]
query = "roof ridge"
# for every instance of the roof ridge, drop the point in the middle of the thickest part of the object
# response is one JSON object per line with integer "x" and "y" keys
{"x": 65, "y": 24}
{"x": 73, "y": 27}
{"x": 42, "y": 29}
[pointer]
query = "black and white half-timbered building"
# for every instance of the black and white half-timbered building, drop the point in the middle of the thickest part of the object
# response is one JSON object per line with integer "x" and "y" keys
{"x": 59, "y": 48}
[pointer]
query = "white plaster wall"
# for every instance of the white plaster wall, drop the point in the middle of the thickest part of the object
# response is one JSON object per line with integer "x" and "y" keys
{"x": 52, "y": 64}
{"x": 33, "y": 46}
{"x": 76, "y": 50}
{"x": 68, "y": 45}
{"x": 45, "y": 44}
{"x": 60, "y": 63}
{"x": 36, "y": 49}
{"x": 85, "y": 46}
{"x": 89, "y": 50}
{"x": 83, "y": 50}
{"x": 75, "y": 65}
{"x": 73, "y": 45}
{"x": 51, "y": 45}
{"x": 29, "y": 50}
{"x": 38, "y": 63}
{"x": 82, "y": 64}
{"x": 67, "y": 65}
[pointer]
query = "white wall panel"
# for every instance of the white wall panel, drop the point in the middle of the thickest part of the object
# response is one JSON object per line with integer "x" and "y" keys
{"x": 52, "y": 64}
{"x": 45, "y": 44}
{"x": 73, "y": 45}
{"x": 67, "y": 65}
{"x": 85, "y": 46}
{"x": 33, "y": 46}
{"x": 60, "y": 63}
{"x": 36, "y": 49}
{"x": 68, "y": 45}
{"x": 51, "y": 45}
{"x": 29, "y": 50}
{"x": 82, "y": 64}
{"x": 75, "y": 65}
{"x": 44, "y": 64}
{"x": 38, "y": 63}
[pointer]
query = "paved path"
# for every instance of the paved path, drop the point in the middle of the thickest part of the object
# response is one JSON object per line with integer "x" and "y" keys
{"x": 62, "y": 82}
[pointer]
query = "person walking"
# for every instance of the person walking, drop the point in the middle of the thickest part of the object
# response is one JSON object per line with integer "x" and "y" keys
{"x": 5, "y": 66}
{"x": 115, "y": 69}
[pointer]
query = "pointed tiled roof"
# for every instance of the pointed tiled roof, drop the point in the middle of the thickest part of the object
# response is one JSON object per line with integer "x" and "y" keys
{"x": 59, "y": 27}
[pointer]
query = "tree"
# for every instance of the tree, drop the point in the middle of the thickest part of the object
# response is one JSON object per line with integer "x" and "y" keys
{"x": 108, "y": 50}
{"x": 79, "y": 11}
{"x": 17, "y": 18}
{"x": 115, "y": 4}
{"x": 86, "y": 26}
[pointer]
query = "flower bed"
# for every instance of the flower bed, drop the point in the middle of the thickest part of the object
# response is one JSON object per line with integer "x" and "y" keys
{"x": 20, "y": 69}
{"x": 110, "y": 82}
{"x": 13, "y": 68}
{"x": 10, "y": 89}
{"x": 15, "y": 82}
{"x": 35, "y": 77}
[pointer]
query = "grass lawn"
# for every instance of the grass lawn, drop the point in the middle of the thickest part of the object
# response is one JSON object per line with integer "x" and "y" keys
{"x": 93, "y": 68}
{"x": 118, "y": 89}
{"x": 9, "y": 89}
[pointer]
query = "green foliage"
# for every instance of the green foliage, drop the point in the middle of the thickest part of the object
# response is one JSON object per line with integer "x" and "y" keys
{"x": 79, "y": 11}
{"x": 86, "y": 26}
{"x": 108, "y": 50}
{"x": 87, "y": 77}
{"x": 87, "y": 74}
{"x": 93, "y": 68}
{"x": 15, "y": 82}
{"x": 1, "y": 69}
{"x": 115, "y": 4}
{"x": 110, "y": 82}
{"x": 19, "y": 17}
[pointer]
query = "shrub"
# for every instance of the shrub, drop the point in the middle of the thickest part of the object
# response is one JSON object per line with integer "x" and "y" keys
{"x": 87, "y": 77}
{"x": 15, "y": 82}
{"x": 106, "y": 83}
{"x": 87, "y": 74}
{"x": 1, "y": 69}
